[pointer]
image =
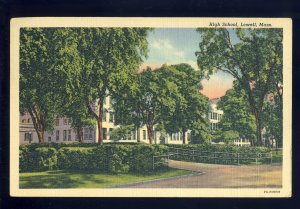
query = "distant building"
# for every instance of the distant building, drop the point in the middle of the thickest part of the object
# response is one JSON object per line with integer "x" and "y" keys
{"x": 215, "y": 115}
{"x": 63, "y": 133}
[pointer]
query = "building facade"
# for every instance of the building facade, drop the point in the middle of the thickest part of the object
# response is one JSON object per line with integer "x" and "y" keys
{"x": 63, "y": 132}
{"x": 215, "y": 115}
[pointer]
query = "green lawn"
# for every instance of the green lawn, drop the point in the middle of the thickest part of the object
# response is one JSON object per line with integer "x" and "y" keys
{"x": 89, "y": 179}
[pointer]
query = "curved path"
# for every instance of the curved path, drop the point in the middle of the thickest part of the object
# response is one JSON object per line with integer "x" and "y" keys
{"x": 219, "y": 176}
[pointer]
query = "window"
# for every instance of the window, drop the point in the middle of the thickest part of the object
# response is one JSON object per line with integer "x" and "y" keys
{"x": 133, "y": 135}
{"x": 110, "y": 130}
{"x": 144, "y": 134}
{"x": 76, "y": 137}
{"x": 28, "y": 121}
{"x": 57, "y": 121}
{"x": 49, "y": 139}
{"x": 104, "y": 133}
{"x": 88, "y": 134}
{"x": 91, "y": 134}
{"x": 69, "y": 135}
{"x": 65, "y": 135}
{"x": 211, "y": 115}
{"x": 189, "y": 136}
{"x": 28, "y": 137}
{"x": 104, "y": 115}
{"x": 23, "y": 121}
{"x": 69, "y": 121}
{"x": 57, "y": 135}
{"x": 111, "y": 117}
{"x": 65, "y": 121}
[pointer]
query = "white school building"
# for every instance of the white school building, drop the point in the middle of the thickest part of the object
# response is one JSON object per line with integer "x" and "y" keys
{"x": 63, "y": 133}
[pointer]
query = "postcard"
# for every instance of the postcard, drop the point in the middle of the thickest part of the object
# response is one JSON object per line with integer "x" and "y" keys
{"x": 150, "y": 107}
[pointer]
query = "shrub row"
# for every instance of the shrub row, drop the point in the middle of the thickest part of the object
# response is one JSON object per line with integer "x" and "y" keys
{"x": 219, "y": 154}
{"x": 105, "y": 158}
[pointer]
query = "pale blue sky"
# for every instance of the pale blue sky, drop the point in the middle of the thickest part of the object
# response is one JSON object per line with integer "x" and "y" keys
{"x": 178, "y": 45}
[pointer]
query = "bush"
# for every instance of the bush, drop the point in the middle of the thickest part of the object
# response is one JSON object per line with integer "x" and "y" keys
{"x": 111, "y": 158}
{"x": 141, "y": 159}
{"x": 34, "y": 158}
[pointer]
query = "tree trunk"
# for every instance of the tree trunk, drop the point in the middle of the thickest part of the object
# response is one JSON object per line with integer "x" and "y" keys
{"x": 258, "y": 130}
{"x": 256, "y": 110}
{"x": 150, "y": 133}
{"x": 252, "y": 142}
{"x": 40, "y": 135}
{"x": 183, "y": 137}
{"x": 99, "y": 123}
{"x": 98, "y": 119}
{"x": 38, "y": 126}
{"x": 80, "y": 135}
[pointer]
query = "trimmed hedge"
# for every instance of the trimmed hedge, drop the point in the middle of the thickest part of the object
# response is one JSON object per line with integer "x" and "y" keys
{"x": 37, "y": 159}
{"x": 219, "y": 154}
{"x": 111, "y": 158}
{"x": 124, "y": 158}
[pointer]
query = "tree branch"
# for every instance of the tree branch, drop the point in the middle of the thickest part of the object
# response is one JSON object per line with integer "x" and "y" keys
{"x": 91, "y": 110}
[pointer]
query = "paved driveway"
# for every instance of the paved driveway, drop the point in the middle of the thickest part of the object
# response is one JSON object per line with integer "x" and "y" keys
{"x": 219, "y": 176}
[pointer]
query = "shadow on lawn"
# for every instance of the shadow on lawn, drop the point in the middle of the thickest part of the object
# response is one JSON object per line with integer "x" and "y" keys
{"x": 58, "y": 179}
{"x": 87, "y": 178}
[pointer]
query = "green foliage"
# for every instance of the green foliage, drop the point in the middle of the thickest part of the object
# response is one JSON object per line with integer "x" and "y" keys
{"x": 201, "y": 134}
{"x": 191, "y": 106}
{"x": 272, "y": 116}
{"x": 65, "y": 71}
{"x": 116, "y": 158}
{"x": 97, "y": 63}
{"x": 36, "y": 88}
{"x": 122, "y": 132}
{"x": 227, "y": 136}
{"x": 151, "y": 98}
{"x": 237, "y": 115}
{"x": 254, "y": 60}
{"x": 37, "y": 158}
{"x": 167, "y": 97}
{"x": 142, "y": 156}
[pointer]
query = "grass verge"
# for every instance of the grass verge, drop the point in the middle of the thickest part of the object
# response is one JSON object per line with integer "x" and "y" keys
{"x": 90, "y": 179}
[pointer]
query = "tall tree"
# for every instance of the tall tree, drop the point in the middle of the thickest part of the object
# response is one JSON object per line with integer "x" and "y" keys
{"x": 152, "y": 99}
{"x": 36, "y": 63}
{"x": 237, "y": 116}
{"x": 127, "y": 104}
{"x": 103, "y": 59}
{"x": 272, "y": 115}
{"x": 192, "y": 106}
{"x": 255, "y": 61}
